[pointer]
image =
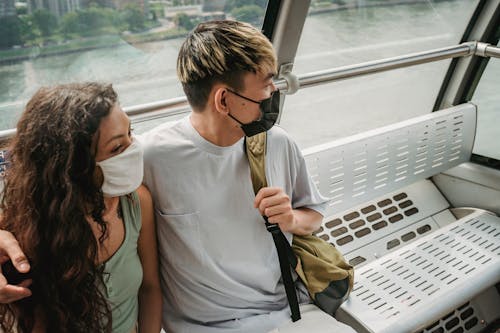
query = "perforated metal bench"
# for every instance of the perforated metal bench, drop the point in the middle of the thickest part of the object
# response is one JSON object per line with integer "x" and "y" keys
{"x": 418, "y": 268}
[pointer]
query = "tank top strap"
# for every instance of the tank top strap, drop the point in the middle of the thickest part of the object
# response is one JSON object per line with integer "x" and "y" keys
{"x": 131, "y": 210}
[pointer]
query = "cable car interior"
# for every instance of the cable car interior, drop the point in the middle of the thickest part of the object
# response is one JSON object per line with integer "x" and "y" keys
{"x": 395, "y": 106}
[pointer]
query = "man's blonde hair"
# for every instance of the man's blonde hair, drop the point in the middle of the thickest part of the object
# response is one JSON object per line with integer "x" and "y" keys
{"x": 221, "y": 51}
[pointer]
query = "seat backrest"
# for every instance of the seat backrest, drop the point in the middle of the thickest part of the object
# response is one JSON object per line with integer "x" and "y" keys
{"x": 362, "y": 167}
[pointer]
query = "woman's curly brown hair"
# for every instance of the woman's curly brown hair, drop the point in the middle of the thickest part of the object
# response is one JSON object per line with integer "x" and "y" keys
{"x": 50, "y": 193}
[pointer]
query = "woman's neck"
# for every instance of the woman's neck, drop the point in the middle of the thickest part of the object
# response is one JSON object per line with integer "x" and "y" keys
{"x": 110, "y": 205}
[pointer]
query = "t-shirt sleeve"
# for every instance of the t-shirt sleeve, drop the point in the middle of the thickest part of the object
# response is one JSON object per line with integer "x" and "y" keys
{"x": 305, "y": 192}
{"x": 147, "y": 140}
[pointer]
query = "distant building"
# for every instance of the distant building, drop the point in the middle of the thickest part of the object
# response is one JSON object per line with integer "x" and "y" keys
{"x": 61, "y": 7}
{"x": 56, "y": 7}
{"x": 143, "y": 4}
{"x": 7, "y": 8}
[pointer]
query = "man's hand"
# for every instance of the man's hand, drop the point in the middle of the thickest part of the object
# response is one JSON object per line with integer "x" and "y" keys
{"x": 10, "y": 250}
{"x": 274, "y": 203}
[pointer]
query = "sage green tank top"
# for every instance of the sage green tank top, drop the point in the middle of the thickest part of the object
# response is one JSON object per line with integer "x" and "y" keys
{"x": 123, "y": 271}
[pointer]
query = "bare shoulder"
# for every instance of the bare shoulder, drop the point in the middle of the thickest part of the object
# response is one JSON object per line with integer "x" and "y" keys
{"x": 145, "y": 198}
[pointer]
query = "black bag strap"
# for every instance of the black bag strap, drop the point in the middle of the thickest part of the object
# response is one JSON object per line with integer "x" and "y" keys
{"x": 255, "y": 148}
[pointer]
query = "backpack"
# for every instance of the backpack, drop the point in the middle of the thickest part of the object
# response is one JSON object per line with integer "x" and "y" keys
{"x": 320, "y": 266}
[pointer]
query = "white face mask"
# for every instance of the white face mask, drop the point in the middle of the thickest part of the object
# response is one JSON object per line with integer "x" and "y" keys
{"x": 123, "y": 172}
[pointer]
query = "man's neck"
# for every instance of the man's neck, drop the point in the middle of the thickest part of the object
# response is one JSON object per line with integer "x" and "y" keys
{"x": 215, "y": 129}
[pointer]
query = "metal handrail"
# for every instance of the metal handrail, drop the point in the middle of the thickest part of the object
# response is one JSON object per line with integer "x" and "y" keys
{"x": 377, "y": 66}
{"x": 492, "y": 51}
{"x": 155, "y": 106}
{"x": 180, "y": 105}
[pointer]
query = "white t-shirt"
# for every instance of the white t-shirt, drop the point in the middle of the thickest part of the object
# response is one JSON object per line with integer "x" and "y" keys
{"x": 219, "y": 267}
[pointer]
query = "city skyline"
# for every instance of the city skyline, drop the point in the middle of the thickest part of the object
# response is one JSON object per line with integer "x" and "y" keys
{"x": 61, "y": 7}
{"x": 56, "y": 7}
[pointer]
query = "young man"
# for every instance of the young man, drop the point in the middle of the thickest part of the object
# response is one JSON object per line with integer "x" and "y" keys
{"x": 219, "y": 267}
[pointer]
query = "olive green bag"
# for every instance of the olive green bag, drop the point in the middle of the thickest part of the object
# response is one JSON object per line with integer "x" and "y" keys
{"x": 321, "y": 267}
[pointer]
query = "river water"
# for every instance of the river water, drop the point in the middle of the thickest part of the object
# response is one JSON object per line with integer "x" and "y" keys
{"x": 146, "y": 72}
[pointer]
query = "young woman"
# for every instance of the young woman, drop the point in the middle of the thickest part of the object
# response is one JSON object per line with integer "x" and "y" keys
{"x": 73, "y": 199}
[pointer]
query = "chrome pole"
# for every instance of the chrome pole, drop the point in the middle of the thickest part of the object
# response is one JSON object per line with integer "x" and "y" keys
{"x": 180, "y": 105}
{"x": 377, "y": 66}
{"x": 492, "y": 51}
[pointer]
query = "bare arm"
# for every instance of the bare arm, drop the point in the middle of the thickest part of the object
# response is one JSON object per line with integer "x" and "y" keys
{"x": 10, "y": 250}
{"x": 308, "y": 221}
{"x": 276, "y": 205}
{"x": 150, "y": 300}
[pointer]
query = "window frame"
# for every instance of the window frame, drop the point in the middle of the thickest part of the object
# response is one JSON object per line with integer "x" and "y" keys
{"x": 470, "y": 74}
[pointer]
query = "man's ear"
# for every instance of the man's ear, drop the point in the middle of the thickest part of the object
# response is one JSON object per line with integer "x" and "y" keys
{"x": 220, "y": 100}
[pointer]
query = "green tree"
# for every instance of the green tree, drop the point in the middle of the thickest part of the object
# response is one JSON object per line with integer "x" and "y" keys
{"x": 45, "y": 21}
{"x": 70, "y": 24}
{"x": 182, "y": 20}
{"x": 96, "y": 19}
{"x": 28, "y": 33}
{"x": 92, "y": 21}
{"x": 251, "y": 14}
{"x": 10, "y": 32}
{"x": 157, "y": 10}
{"x": 21, "y": 10}
{"x": 133, "y": 17}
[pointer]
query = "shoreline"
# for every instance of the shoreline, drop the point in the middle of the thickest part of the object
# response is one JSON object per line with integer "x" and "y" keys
{"x": 98, "y": 42}
{"x": 109, "y": 41}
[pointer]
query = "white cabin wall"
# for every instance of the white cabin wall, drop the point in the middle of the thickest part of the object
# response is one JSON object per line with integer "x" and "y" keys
{"x": 471, "y": 185}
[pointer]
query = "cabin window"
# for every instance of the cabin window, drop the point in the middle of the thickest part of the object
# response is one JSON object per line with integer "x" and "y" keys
{"x": 132, "y": 44}
{"x": 487, "y": 99}
{"x": 342, "y": 33}
{"x": 339, "y": 33}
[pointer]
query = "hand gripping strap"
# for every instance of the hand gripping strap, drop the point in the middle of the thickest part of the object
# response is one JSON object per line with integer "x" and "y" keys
{"x": 256, "y": 152}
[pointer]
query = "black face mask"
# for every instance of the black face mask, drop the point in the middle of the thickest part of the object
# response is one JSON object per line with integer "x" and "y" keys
{"x": 269, "y": 110}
